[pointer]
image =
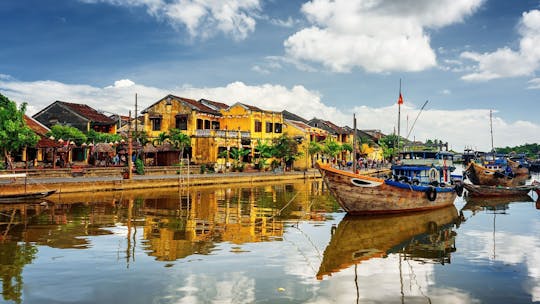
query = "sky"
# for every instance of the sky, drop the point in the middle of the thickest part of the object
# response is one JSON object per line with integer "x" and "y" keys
{"x": 320, "y": 58}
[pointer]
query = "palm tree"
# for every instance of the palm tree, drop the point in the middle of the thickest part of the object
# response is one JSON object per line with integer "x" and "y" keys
{"x": 238, "y": 155}
{"x": 162, "y": 138}
{"x": 331, "y": 148}
{"x": 266, "y": 151}
{"x": 179, "y": 141}
{"x": 314, "y": 148}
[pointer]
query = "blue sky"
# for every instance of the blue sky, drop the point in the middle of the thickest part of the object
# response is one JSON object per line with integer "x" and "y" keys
{"x": 317, "y": 58}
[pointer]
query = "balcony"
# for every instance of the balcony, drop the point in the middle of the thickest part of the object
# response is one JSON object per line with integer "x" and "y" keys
{"x": 222, "y": 134}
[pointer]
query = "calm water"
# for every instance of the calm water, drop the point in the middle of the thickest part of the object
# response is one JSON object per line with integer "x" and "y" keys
{"x": 277, "y": 243}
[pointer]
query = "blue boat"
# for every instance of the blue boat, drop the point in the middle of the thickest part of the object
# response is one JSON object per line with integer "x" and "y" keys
{"x": 425, "y": 168}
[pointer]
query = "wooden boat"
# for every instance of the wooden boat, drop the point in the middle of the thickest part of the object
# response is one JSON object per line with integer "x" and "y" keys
{"x": 537, "y": 184}
{"x": 423, "y": 235}
{"x": 479, "y": 175}
{"x": 361, "y": 194}
{"x": 22, "y": 196}
{"x": 480, "y": 190}
{"x": 6, "y": 198}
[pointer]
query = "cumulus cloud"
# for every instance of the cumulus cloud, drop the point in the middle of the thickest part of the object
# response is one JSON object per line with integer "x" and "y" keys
{"x": 376, "y": 35}
{"x": 506, "y": 62}
{"x": 449, "y": 125}
{"x": 201, "y": 18}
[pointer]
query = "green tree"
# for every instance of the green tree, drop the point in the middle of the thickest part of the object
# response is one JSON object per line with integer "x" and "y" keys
{"x": 14, "y": 133}
{"x": 238, "y": 156}
{"x": 180, "y": 141}
{"x": 286, "y": 149}
{"x": 314, "y": 148}
{"x": 266, "y": 151}
{"x": 99, "y": 137}
{"x": 67, "y": 133}
{"x": 331, "y": 148}
{"x": 161, "y": 139}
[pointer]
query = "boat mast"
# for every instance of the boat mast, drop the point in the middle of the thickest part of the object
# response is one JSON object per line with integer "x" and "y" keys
{"x": 400, "y": 101}
{"x": 491, "y": 129}
{"x": 354, "y": 144}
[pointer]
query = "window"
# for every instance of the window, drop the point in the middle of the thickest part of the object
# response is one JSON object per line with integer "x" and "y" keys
{"x": 156, "y": 124}
{"x": 215, "y": 125}
{"x": 181, "y": 121}
{"x": 278, "y": 128}
{"x": 258, "y": 126}
{"x": 207, "y": 124}
{"x": 269, "y": 126}
{"x": 200, "y": 124}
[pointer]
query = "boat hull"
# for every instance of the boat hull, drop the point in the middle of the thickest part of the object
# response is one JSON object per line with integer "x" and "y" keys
{"x": 479, "y": 175}
{"x": 497, "y": 191}
{"x": 382, "y": 196}
{"x": 8, "y": 198}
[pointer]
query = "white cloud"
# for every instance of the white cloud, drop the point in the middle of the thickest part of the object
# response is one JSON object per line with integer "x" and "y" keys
{"x": 453, "y": 126}
{"x": 376, "y": 35}
{"x": 201, "y": 18}
{"x": 534, "y": 83}
{"x": 506, "y": 62}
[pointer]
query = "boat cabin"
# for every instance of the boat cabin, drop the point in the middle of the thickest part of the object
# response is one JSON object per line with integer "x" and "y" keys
{"x": 424, "y": 167}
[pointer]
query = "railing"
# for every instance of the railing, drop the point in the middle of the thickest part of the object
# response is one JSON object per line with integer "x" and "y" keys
{"x": 222, "y": 133}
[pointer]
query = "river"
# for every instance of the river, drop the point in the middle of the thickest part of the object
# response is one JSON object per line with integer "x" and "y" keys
{"x": 271, "y": 243}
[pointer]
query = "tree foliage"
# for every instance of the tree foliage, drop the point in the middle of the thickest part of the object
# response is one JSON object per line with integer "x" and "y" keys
{"x": 530, "y": 150}
{"x": 98, "y": 137}
{"x": 14, "y": 133}
{"x": 286, "y": 148}
{"x": 67, "y": 133}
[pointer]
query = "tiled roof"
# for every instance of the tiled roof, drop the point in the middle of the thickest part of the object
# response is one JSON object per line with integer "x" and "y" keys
{"x": 198, "y": 106}
{"x": 87, "y": 112}
{"x": 292, "y": 116}
{"x": 215, "y": 104}
{"x": 36, "y": 126}
{"x": 250, "y": 107}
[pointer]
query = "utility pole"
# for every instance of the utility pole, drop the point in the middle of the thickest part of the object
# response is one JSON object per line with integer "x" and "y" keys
{"x": 130, "y": 148}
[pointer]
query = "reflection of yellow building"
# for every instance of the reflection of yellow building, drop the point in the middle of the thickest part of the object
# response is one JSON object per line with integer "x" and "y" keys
{"x": 182, "y": 225}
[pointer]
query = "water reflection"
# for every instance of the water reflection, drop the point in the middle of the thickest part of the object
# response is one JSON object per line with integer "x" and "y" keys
{"x": 174, "y": 223}
{"x": 424, "y": 236}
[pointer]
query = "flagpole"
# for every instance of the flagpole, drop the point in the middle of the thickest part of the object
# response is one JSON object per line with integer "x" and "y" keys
{"x": 399, "y": 116}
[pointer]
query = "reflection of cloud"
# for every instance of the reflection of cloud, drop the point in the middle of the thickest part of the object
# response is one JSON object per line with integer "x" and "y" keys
{"x": 383, "y": 280}
{"x": 232, "y": 287}
{"x": 510, "y": 249}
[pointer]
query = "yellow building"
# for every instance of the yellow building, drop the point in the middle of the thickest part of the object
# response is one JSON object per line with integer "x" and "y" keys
{"x": 304, "y": 134}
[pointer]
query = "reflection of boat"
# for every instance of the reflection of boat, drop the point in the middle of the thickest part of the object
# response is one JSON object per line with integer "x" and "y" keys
{"x": 475, "y": 203}
{"x": 420, "y": 235}
{"x": 24, "y": 196}
{"x": 361, "y": 194}
{"x": 480, "y": 175}
{"x": 478, "y": 190}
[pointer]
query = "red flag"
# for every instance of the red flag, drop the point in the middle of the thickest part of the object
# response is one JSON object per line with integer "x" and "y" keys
{"x": 400, "y": 99}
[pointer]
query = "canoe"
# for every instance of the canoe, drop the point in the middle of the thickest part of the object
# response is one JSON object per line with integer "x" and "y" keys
{"x": 361, "y": 194}
{"x": 479, "y": 175}
{"x": 495, "y": 191}
{"x": 27, "y": 196}
{"x": 425, "y": 236}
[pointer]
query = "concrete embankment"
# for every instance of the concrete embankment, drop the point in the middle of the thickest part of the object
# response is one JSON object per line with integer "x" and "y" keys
{"x": 35, "y": 183}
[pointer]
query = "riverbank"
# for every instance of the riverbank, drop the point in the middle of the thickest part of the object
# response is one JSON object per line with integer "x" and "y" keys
{"x": 113, "y": 181}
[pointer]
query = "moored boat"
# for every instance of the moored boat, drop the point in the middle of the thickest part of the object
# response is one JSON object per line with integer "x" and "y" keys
{"x": 21, "y": 196}
{"x": 361, "y": 194}
{"x": 498, "y": 191}
{"x": 480, "y": 175}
